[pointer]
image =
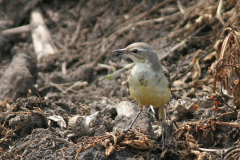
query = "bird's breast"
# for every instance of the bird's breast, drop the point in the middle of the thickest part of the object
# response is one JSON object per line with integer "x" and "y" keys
{"x": 149, "y": 87}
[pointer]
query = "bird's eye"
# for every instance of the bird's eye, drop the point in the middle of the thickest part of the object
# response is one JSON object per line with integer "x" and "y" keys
{"x": 135, "y": 51}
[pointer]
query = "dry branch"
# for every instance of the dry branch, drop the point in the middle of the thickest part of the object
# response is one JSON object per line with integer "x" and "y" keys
{"x": 16, "y": 30}
{"x": 227, "y": 71}
{"x": 42, "y": 41}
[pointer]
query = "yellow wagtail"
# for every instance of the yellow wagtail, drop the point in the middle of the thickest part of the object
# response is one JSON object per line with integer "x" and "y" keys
{"x": 148, "y": 83}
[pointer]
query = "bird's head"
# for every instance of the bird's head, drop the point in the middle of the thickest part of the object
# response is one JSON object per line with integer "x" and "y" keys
{"x": 139, "y": 52}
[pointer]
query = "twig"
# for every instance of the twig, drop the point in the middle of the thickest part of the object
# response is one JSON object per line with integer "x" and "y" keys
{"x": 109, "y": 67}
{"x": 112, "y": 38}
{"x": 161, "y": 19}
{"x": 16, "y": 30}
{"x": 218, "y": 151}
{"x": 117, "y": 72}
{"x": 111, "y": 94}
{"x": 227, "y": 104}
{"x": 42, "y": 41}
{"x": 76, "y": 34}
{"x": 78, "y": 29}
{"x": 76, "y": 86}
{"x": 183, "y": 42}
{"x": 228, "y": 124}
{"x": 104, "y": 49}
{"x": 73, "y": 86}
{"x": 64, "y": 67}
{"x": 180, "y": 7}
{"x": 136, "y": 18}
{"x": 219, "y": 12}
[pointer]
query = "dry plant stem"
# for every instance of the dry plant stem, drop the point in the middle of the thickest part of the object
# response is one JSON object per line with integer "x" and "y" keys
{"x": 228, "y": 65}
{"x": 78, "y": 29}
{"x": 66, "y": 90}
{"x": 227, "y": 124}
{"x": 57, "y": 86}
{"x": 183, "y": 42}
{"x": 157, "y": 20}
{"x": 218, "y": 151}
{"x": 227, "y": 104}
{"x": 84, "y": 59}
{"x": 16, "y": 30}
{"x": 61, "y": 87}
{"x": 131, "y": 13}
{"x": 111, "y": 94}
{"x": 194, "y": 59}
{"x": 232, "y": 35}
{"x": 42, "y": 41}
{"x": 128, "y": 66}
{"x": 180, "y": 7}
{"x": 129, "y": 26}
{"x": 6, "y": 23}
{"x": 76, "y": 34}
{"x": 232, "y": 66}
{"x": 219, "y": 12}
{"x": 109, "y": 67}
{"x": 64, "y": 67}
{"x": 136, "y": 18}
{"x": 234, "y": 18}
{"x": 112, "y": 38}
{"x": 184, "y": 78}
{"x": 174, "y": 120}
{"x": 95, "y": 157}
{"x": 234, "y": 154}
{"x": 91, "y": 42}
{"x": 109, "y": 41}
{"x": 78, "y": 151}
{"x": 104, "y": 49}
{"x": 77, "y": 85}
{"x": 189, "y": 11}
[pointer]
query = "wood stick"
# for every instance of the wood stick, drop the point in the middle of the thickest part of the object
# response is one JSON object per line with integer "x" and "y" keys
{"x": 11, "y": 31}
{"x": 42, "y": 41}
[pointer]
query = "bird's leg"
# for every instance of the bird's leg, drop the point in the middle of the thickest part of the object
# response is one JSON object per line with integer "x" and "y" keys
{"x": 163, "y": 140}
{"x": 159, "y": 114}
{"x": 130, "y": 126}
{"x": 162, "y": 117}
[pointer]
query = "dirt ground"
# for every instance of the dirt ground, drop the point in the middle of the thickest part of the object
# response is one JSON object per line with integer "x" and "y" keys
{"x": 63, "y": 91}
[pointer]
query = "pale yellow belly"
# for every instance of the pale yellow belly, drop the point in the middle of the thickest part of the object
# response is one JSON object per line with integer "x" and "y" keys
{"x": 151, "y": 94}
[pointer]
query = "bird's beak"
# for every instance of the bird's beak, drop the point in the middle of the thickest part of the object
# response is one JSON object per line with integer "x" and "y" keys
{"x": 120, "y": 50}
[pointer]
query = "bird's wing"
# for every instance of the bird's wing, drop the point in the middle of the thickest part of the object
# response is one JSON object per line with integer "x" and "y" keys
{"x": 127, "y": 85}
{"x": 166, "y": 73}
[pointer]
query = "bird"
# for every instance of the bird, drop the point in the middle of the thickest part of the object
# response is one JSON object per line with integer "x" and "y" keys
{"x": 149, "y": 82}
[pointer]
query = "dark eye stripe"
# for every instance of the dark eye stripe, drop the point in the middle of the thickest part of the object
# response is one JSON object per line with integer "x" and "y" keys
{"x": 135, "y": 51}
